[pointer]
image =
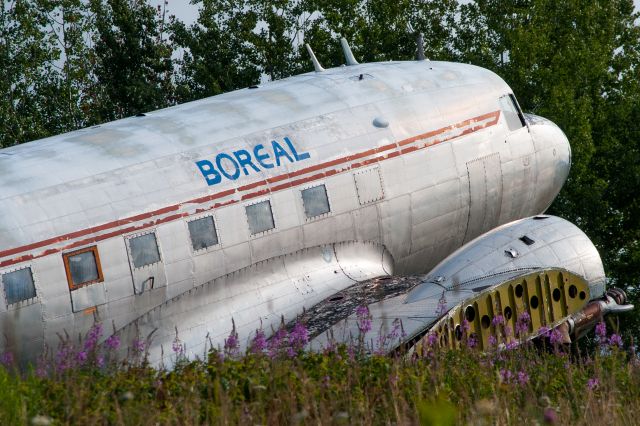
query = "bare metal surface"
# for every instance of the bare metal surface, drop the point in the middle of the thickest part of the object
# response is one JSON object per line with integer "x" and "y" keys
{"x": 404, "y": 188}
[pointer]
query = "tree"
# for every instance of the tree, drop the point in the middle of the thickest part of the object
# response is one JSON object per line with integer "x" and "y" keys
{"x": 133, "y": 67}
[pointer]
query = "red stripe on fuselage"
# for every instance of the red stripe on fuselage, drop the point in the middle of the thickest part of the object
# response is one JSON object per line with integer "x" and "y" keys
{"x": 136, "y": 218}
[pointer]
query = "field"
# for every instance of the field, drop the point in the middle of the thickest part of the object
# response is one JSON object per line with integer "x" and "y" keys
{"x": 276, "y": 382}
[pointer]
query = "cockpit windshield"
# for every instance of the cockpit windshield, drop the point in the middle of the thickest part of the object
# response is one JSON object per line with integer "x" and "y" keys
{"x": 512, "y": 113}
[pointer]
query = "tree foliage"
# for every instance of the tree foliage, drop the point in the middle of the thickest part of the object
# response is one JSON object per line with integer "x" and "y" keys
{"x": 67, "y": 64}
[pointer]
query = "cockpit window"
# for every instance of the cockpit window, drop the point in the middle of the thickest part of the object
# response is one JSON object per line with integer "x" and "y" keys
{"x": 512, "y": 113}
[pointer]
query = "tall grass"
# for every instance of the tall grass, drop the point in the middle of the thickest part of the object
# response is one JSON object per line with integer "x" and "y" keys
{"x": 525, "y": 385}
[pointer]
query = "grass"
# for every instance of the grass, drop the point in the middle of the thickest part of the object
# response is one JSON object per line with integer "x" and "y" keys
{"x": 527, "y": 385}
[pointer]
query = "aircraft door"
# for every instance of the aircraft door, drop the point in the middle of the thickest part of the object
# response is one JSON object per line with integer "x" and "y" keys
{"x": 147, "y": 267}
{"x": 485, "y": 195}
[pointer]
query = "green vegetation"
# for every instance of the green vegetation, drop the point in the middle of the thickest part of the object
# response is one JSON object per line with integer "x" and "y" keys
{"x": 337, "y": 387}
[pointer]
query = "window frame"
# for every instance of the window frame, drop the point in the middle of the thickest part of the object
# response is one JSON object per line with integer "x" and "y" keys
{"x": 215, "y": 227}
{"x": 67, "y": 268}
{"x": 128, "y": 238}
{"x": 23, "y": 302}
{"x": 304, "y": 209}
{"x": 273, "y": 218}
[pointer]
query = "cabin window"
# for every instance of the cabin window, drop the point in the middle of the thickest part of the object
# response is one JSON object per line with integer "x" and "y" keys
{"x": 315, "y": 201}
{"x": 260, "y": 217}
{"x": 144, "y": 250}
{"x": 18, "y": 286}
{"x": 83, "y": 267}
{"x": 203, "y": 233}
{"x": 512, "y": 114}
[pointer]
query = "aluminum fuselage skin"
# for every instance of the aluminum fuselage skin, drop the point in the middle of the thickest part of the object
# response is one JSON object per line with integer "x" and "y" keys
{"x": 416, "y": 158}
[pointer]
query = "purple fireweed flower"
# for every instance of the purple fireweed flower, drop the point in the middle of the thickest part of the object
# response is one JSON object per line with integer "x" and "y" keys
{"x": 432, "y": 339}
{"x": 113, "y": 342}
{"x": 259, "y": 342}
{"x": 299, "y": 336}
{"x": 363, "y": 320}
{"x": 544, "y": 331}
{"x": 442, "y": 306}
{"x": 232, "y": 342}
{"x": 593, "y": 383}
{"x": 512, "y": 345}
{"x": 550, "y": 416}
{"x": 498, "y": 320}
{"x": 615, "y": 340}
{"x": 507, "y": 330}
{"x": 492, "y": 340}
{"x": 601, "y": 329}
{"x": 100, "y": 361}
{"x": 177, "y": 347}
{"x": 138, "y": 345}
{"x": 277, "y": 341}
{"x": 506, "y": 376}
{"x": 523, "y": 378}
{"x": 81, "y": 357}
{"x": 472, "y": 341}
{"x": 6, "y": 359}
{"x": 555, "y": 337}
{"x": 465, "y": 326}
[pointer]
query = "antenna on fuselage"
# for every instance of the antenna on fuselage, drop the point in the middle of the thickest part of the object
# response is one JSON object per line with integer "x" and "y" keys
{"x": 420, "y": 54}
{"x": 316, "y": 63}
{"x": 348, "y": 55}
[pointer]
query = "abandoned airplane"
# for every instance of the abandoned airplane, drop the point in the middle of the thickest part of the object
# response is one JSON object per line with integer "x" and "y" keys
{"x": 278, "y": 200}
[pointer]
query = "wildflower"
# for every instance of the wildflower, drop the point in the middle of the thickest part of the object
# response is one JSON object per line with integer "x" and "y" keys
{"x": 113, "y": 342}
{"x": 472, "y": 341}
{"x": 92, "y": 337}
{"x": 177, "y": 346}
{"x": 6, "y": 359}
{"x": 277, "y": 341}
{"x": 615, "y": 340}
{"x": 465, "y": 326}
{"x": 259, "y": 342}
{"x": 363, "y": 320}
{"x": 498, "y": 320}
{"x": 523, "y": 377}
{"x": 505, "y": 376}
{"x": 299, "y": 336}
{"x": 544, "y": 331}
{"x": 232, "y": 342}
{"x": 522, "y": 324}
{"x": 81, "y": 357}
{"x": 442, "y": 306}
{"x": 492, "y": 340}
{"x": 593, "y": 383}
{"x": 550, "y": 416}
{"x": 555, "y": 337}
{"x": 138, "y": 345}
{"x": 100, "y": 361}
{"x": 601, "y": 330}
{"x": 432, "y": 339}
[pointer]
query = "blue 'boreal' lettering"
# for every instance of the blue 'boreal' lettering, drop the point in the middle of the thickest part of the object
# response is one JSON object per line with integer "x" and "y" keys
{"x": 242, "y": 161}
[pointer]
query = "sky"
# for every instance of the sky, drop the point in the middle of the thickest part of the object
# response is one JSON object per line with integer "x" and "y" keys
{"x": 188, "y": 13}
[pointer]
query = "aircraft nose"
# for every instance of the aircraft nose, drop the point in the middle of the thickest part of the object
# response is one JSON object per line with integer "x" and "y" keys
{"x": 554, "y": 158}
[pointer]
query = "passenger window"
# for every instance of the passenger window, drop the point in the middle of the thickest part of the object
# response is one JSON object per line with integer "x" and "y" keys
{"x": 260, "y": 217}
{"x": 82, "y": 267}
{"x": 512, "y": 113}
{"x": 144, "y": 250}
{"x": 315, "y": 201}
{"x": 203, "y": 233}
{"x": 18, "y": 286}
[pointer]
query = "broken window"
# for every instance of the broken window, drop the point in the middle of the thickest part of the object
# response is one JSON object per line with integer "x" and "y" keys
{"x": 203, "y": 233}
{"x": 315, "y": 201}
{"x": 144, "y": 250}
{"x": 82, "y": 267}
{"x": 260, "y": 217}
{"x": 18, "y": 285}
